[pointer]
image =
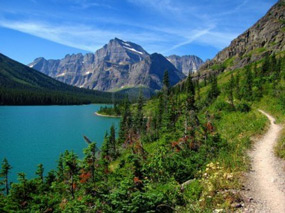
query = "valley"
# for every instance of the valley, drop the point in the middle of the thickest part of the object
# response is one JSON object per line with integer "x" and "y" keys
{"x": 181, "y": 135}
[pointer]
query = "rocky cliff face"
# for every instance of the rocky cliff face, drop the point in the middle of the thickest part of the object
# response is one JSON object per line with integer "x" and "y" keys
{"x": 186, "y": 64}
{"x": 267, "y": 36}
{"x": 117, "y": 65}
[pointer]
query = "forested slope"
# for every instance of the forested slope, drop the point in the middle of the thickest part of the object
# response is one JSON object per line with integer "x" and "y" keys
{"x": 21, "y": 85}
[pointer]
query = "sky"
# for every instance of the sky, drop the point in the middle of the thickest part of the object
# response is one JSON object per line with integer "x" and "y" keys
{"x": 54, "y": 28}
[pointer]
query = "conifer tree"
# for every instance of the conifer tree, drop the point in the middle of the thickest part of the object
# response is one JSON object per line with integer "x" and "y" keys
{"x": 277, "y": 70}
{"x": 237, "y": 86}
{"x": 230, "y": 90}
{"x": 60, "y": 168}
{"x": 248, "y": 84}
{"x": 71, "y": 169}
{"x": 166, "y": 84}
{"x": 40, "y": 172}
{"x": 265, "y": 66}
{"x": 90, "y": 157}
{"x": 205, "y": 80}
{"x": 190, "y": 92}
{"x": 198, "y": 87}
{"x": 23, "y": 181}
{"x": 105, "y": 150}
{"x": 272, "y": 63}
{"x": 214, "y": 91}
{"x": 112, "y": 142}
{"x": 169, "y": 115}
{"x": 255, "y": 70}
{"x": 126, "y": 122}
{"x": 5, "y": 168}
{"x": 139, "y": 121}
{"x": 160, "y": 110}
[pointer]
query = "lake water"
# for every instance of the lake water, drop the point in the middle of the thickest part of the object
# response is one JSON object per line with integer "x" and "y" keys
{"x": 30, "y": 135}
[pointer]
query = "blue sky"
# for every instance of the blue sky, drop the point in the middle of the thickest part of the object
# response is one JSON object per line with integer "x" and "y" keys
{"x": 54, "y": 28}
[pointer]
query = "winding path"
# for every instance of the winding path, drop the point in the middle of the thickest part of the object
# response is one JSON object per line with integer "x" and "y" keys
{"x": 266, "y": 180}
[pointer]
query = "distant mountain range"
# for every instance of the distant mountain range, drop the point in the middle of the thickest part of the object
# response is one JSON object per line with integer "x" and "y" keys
{"x": 186, "y": 64}
{"x": 21, "y": 85}
{"x": 117, "y": 66}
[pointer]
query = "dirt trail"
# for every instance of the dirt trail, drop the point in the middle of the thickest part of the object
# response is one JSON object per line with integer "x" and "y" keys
{"x": 266, "y": 179}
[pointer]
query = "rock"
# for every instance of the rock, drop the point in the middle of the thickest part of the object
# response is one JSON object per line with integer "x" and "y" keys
{"x": 117, "y": 65}
{"x": 265, "y": 37}
{"x": 236, "y": 205}
{"x": 186, "y": 64}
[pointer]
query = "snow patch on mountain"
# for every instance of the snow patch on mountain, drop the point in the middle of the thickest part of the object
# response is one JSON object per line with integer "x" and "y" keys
{"x": 134, "y": 50}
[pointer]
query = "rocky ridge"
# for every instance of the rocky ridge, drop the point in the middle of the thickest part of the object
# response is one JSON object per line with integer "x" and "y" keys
{"x": 267, "y": 36}
{"x": 117, "y": 65}
{"x": 186, "y": 64}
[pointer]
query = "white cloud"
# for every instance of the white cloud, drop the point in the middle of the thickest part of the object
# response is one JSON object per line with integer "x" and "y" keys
{"x": 79, "y": 36}
{"x": 194, "y": 36}
{"x": 217, "y": 39}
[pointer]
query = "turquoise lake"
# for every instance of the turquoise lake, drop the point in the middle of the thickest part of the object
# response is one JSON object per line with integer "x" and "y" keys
{"x": 30, "y": 135}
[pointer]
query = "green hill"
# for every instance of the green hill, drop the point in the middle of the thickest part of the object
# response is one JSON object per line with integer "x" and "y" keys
{"x": 21, "y": 85}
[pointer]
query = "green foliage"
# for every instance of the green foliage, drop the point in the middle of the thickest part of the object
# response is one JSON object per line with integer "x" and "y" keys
{"x": 5, "y": 168}
{"x": 213, "y": 91}
{"x": 40, "y": 172}
{"x": 111, "y": 111}
{"x": 243, "y": 107}
{"x": 21, "y": 85}
{"x": 176, "y": 152}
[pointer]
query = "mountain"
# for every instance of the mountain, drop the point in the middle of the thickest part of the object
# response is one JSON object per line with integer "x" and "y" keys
{"x": 186, "y": 64}
{"x": 116, "y": 66}
{"x": 22, "y": 85}
{"x": 265, "y": 37}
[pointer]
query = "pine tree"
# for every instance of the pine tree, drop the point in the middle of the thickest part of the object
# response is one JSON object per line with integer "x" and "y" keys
{"x": 273, "y": 62}
{"x": 5, "y": 168}
{"x": 112, "y": 142}
{"x": 139, "y": 120}
{"x": 160, "y": 111}
{"x": 248, "y": 84}
{"x": 265, "y": 66}
{"x": 277, "y": 70}
{"x": 190, "y": 92}
{"x": 255, "y": 70}
{"x": 40, "y": 172}
{"x": 90, "y": 157}
{"x": 237, "y": 87}
{"x": 198, "y": 87}
{"x": 60, "y": 168}
{"x": 214, "y": 91}
{"x": 166, "y": 84}
{"x": 71, "y": 169}
{"x": 126, "y": 122}
{"x": 230, "y": 90}
{"x": 205, "y": 80}
{"x": 105, "y": 150}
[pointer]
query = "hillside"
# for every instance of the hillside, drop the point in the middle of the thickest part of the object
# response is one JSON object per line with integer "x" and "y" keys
{"x": 184, "y": 150}
{"x": 118, "y": 65}
{"x": 21, "y": 85}
{"x": 265, "y": 37}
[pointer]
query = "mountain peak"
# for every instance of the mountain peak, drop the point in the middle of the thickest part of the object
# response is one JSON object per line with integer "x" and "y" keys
{"x": 116, "y": 65}
{"x": 186, "y": 63}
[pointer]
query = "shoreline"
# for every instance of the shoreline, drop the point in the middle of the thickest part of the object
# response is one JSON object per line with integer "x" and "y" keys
{"x": 108, "y": 116}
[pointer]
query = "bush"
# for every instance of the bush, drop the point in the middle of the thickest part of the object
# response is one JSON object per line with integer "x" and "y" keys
{"x": 243, "y": 107}
{"x": 222, "y": 106}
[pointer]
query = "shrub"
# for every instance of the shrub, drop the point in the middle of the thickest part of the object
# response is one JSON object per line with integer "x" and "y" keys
{"x": 243, "y": 107}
